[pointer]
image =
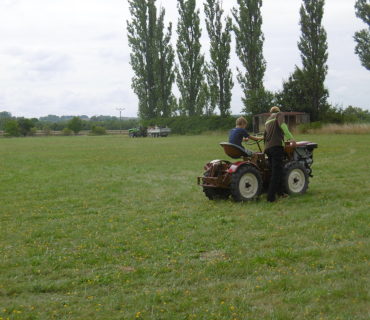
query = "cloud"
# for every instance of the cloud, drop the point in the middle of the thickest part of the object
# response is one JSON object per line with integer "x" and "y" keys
{"x": 115, "y": 56}
{"x": 108, "y": 36}
{"x": 10, "y": 3}
{"x": 36, "y": 65}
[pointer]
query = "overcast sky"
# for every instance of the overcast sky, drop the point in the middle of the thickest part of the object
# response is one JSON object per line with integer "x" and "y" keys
{"x": 71, "y": 57}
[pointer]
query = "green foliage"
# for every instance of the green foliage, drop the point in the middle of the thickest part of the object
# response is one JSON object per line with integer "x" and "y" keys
{"x": 164, "y": 68}
{"x": 190, "y": 74}
{"x": 11, "y": 127}
{"x": 152, "y": 59}
{"x": 25, "y": 126}
{"x": 66, "y": 132}
{"x": 219, "y": 75}
{"x": 75, "y": 125}
{"x": 98, "y": 130}
{"x": 313, "y": 47}
{"x": 46, "y": 130}
{"x": 362, "y": 37}
{"x": 249, "y": 48}
{"x": 141, "y": 38}
{"x": 303, "y": 128}
{"x": 296, "y": 96}
{"x": 5, "y": 114}
{"x": 32, "y": 132}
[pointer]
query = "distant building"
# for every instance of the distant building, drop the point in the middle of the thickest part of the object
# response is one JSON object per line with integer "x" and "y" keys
{"x": 292, "y": 120}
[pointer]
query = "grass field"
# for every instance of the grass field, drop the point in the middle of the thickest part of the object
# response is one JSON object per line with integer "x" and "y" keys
{"x": 116, "y": 228}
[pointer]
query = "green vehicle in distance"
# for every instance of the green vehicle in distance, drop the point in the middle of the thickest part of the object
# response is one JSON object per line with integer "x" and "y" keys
{"x": 137, "y": 133}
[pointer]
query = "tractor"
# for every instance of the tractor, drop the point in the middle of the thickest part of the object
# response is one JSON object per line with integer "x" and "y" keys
{"x": 244, "y": 180}
{"x": 137, "y": 133}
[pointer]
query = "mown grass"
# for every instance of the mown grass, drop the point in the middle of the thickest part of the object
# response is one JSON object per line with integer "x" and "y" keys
{"x": 116, "y": 228}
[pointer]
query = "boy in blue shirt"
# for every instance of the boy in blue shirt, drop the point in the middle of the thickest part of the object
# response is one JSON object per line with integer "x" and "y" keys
{"x": 239, "y": 134}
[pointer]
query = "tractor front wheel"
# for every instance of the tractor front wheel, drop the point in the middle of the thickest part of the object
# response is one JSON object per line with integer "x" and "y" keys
{"x": 131, "y": 134}
{"x": 295, "y": 178}
{"x": 246, "y": 184}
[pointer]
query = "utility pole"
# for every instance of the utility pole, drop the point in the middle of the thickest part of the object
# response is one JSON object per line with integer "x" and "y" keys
{"x": 120, "y": 119}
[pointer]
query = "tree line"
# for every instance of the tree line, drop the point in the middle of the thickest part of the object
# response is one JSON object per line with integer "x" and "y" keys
{"x": 20, "y": 126}
{"x": 14, "y": 127}
{"x": 206, "y": 86}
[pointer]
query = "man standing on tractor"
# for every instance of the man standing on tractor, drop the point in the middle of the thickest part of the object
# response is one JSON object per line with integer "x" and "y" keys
{"x": 239, "y": 134}
{"x": 275, "y": 128}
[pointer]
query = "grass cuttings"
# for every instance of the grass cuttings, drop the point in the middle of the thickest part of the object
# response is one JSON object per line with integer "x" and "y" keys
{"x": 116, "y": 228}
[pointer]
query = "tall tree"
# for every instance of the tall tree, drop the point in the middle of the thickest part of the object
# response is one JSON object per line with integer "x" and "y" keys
{"x": 141, "y": 37}
{"x": 313, "y": 47}
{"x": 164, "y": 66}
{"x": 249, "y": 48}
{"x": 218, "y": 72}
{"x": 190, "y": 74}
{"x": 295, "y": 96}
{"x": 362, "y": 37}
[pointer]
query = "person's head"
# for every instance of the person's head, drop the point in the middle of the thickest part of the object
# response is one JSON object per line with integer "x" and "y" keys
{"x": 274, "y": 110}
{"x": 241, "y": 122}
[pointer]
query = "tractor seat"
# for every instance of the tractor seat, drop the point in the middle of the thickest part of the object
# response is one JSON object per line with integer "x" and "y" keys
{"x": 234, "y": 151}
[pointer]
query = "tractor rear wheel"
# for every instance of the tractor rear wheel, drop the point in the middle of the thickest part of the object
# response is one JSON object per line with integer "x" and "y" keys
{"x": 295, "y": 178}
{"x": 138, "y": 134}
{"x": 215, "y": 193}
{"x": 246, "y": 184}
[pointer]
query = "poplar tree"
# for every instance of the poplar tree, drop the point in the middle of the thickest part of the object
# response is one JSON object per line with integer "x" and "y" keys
{"x": 313, "y": 47}
{"x": 165, "y": 68}
{"x": 249, "y": 48}
{"x": 190, "y": 74}
{"x": 218, "y": 72}
{"x": 362, "y": 37}
{"x": 141, "y": 39}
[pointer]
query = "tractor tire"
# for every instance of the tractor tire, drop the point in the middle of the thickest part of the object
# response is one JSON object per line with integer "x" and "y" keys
{"x": 246, "y": 184}
{"x": 215, "y": 193}
{"x": 295, "y": 178}
{"x": 131, "y": 134}
{"x": 139, "y": 134}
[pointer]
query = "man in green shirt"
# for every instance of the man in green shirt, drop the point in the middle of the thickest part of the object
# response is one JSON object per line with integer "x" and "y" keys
{"x": 275, "y": 129}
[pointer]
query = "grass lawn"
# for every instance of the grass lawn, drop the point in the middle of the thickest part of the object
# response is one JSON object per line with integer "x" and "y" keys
{"x": 116, "y": 228}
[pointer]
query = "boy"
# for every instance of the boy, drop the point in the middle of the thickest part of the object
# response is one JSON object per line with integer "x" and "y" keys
{"x": 239, "y": 134}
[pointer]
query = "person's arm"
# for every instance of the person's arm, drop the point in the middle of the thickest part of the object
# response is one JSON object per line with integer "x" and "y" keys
{"x": 288, "y": 134}
{"x": 255, "y": 138}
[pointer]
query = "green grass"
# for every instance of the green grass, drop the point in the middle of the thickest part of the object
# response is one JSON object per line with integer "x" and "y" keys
{"x": 116, "y": 228}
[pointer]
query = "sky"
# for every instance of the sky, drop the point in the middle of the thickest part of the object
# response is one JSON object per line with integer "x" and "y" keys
{"x": 71, "y": 57}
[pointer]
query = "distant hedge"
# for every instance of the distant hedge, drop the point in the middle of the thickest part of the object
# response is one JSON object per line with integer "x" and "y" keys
{"x": 195, "y": 124}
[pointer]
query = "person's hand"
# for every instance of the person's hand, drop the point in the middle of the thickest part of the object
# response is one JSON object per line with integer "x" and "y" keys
{"x": 293, "y": 142}
{"x": 261, "y": 138}
{"x": 246, "y": 139}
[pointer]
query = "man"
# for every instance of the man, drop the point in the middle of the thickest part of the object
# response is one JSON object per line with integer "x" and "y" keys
{"x": 275, "y": 128}
{"x": 239, "y": 134}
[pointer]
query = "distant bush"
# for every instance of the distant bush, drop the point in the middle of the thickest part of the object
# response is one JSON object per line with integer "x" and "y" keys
{"x": 46, "y": 130}
{"x": 305, "y": 128}
{"x": 75, "y": 125}
{"x": 11, "y": 128}
{"x": 98, "y": 130}
{"x": 66, "y": 132}
{"x": 32, "y": 132}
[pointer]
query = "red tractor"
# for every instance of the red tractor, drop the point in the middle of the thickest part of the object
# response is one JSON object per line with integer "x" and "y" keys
{"x": 244, "y": 180}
